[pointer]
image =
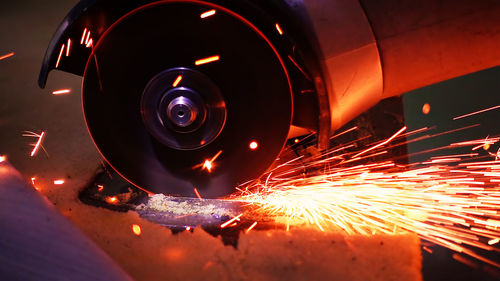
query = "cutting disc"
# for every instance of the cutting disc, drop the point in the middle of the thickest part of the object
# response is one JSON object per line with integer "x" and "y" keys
{"x": 180, "y": 95}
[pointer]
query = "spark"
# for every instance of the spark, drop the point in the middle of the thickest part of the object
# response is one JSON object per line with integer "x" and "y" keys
{"x": 61, "y": 92}
{"x": 476, "y": 112}
{"x": 208, "y": 14}
{"x": 207, "y": 60}
{"x": 251, "y": 227}
{"x": 280, "y": 31}
{"x": 208, "y": 164}
{"x": 3, "y": 158}
{"x": 60, "y": 55}
{"x": 177, "y": 81}
{"x": 38, "y": 144}
{"x": 89, "y": 43}
{"x": 382, "y": 143}
{"x": 59, "y": 182}
{"x": 188, "y": 228}
{"x": 253, "y": 145}
{"x": 7, "y": 55}
{"x": 136, "y": 229}
{"x": 83, "y": 36}
{"x": 299, "y": 68}
{"x": 197, "y": 193}
{"x": 112, "y": 200}
{"x": 450, "y": 200}
{"x": 426, "y": 108}
{"x": 68, "y": 47}
{"x": 87, "y": 38}
{"x": 231, "y": 221}
{"x": 100, "y": 187}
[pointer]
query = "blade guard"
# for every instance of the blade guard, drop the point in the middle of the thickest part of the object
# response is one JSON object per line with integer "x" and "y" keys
{"x": 95, "y": 16}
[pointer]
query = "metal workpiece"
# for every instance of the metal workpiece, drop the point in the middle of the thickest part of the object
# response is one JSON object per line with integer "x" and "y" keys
{"x": 39, "y": 243}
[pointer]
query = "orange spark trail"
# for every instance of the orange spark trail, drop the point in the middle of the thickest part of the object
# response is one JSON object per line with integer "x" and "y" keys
{"x": 68, "y": 47}
{"x": 37, "y": 145}
{"x": 230, "y": 221}
{"x": 61, "y": 92}
{"x": 280, "y": 31}
{"x": 476, "y": 112}
{"x": 449, "y": 200}
{"x": 60, "y": 55}
{"x": 197, "y": 193}
{"x": 177, "y": 81}
{"x": 207, "y": 14}
{"x": 207, "y": 60}
{"x": 7, "y": 55}
{"x": 382, "y": 143}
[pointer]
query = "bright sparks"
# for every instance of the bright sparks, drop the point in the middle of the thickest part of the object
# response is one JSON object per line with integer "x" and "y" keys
{"x": 278, "y": 28}
{"x": 207, "y": 60}
{"x": 61, "y": 92}
{"x": 7, "y": 56}
{"x": 208, "y": 14}
{"x": 68, "y": 47}
{"x": 3, "y": 158}
{"x": 136, "y": 229}
{"x": 197, "y": 193}
{"x": 60, "y": 55}
{"x": 209, "y": 163}
{"x": 59, "y": 182}
{"x": 253, "y": 145}
{"x": 112, "y": 200}
{"x": 38, "y": 144}
{"x": 177, "y": 81}
{"x": 476, "y": 112}
{"x": 450, "y": 200}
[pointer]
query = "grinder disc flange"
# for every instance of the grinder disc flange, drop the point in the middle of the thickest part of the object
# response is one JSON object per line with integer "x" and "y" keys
{"x": 165, "y": 90}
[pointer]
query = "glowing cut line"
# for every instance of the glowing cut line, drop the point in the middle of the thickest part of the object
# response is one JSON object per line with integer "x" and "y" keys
{"x": 37, "y": 145}
{"x": 60, "y": 54}
{"x": 68, "y": 47}
{"x": 207, "y": 60}
{"x": 382, "y": 143}
{"x": 230, "y": 221}
{"x": 280, "y": 31}
{"x": 477, "y": 112}
{"x": 177, "y": 81}
{"x": 83, "y": 36}
{"x": 207, "y": 14}
{"x": 7, "y": 56}
{"x": 61, "y": 92}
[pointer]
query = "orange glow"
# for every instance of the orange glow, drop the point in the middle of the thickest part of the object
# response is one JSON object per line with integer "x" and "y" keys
{"x": 382, "y": 143}
{"x": 7, "y": 55}
{"x": 279, "y": 29}
{"x": 253, "y": 145}
{"x": 197, "y": 193}
{"x": 207, "y": 60}
{"x": 208, "y": 14}
{"x": 68, "y": 47}
{"x": 87, "y": 38}
{"x": 231, "y": 221}
{"x": 208, "y": 164}
{"x": 3, "y": 158}
{"x": 136, "y": 229}
{"x": 177, "y": 81}
{"x": 175, "y": 254}
{"x": 59, "y": 182}
{"x": 89, "y": 43}
{"x": 476, "y": 112}
{"x": 61, "y": 92}
{"x": 38, "y": 144}
{"x": 296, "y": 140}
{"x": 83, "y": 36}
{"x": 251, "y": 227}
{"x": 112, "y": 200}
{"x": 426, "y": 109}
{"x": 60, "y": 55}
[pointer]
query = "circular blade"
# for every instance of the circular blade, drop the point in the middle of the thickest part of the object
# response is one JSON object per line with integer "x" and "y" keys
{"x": 165, "y": 77}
